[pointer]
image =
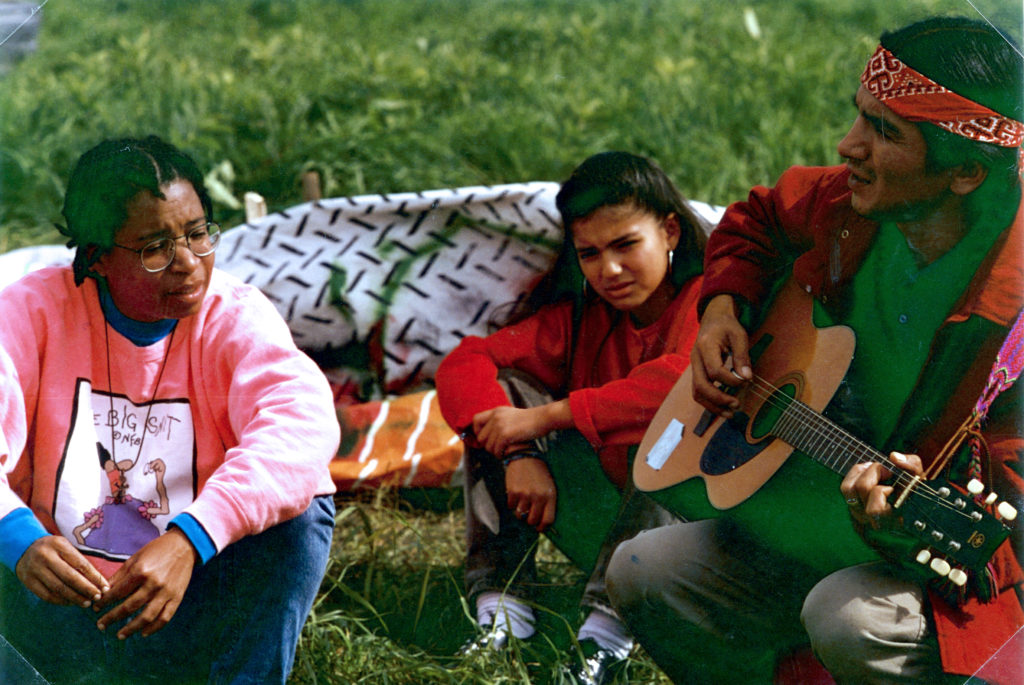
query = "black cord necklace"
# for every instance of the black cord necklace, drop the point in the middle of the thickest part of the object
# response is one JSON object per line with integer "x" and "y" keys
{"x": 149, "y": 406}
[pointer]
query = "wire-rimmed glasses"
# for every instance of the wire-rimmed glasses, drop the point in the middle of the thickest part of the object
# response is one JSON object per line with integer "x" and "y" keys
{"x": 158, "y": 255}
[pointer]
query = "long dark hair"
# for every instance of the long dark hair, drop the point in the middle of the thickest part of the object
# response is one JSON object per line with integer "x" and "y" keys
{"x": 609, "y": 179}
{"x": 104, "y": 181}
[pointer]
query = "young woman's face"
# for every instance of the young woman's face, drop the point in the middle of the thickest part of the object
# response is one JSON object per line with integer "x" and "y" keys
{"x": 623, "y": 252}
{"x": 177, "y": 291}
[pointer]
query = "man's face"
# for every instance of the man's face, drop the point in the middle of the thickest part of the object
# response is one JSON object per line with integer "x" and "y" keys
{"x": 886, "y": 157}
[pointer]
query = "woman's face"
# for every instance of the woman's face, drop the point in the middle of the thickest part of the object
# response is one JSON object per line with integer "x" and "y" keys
{"x": 177, "y": 291}
{"x": 623, "y": 252}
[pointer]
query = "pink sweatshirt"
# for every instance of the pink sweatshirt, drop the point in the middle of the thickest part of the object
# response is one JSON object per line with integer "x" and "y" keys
{"x": 225, "y": 420}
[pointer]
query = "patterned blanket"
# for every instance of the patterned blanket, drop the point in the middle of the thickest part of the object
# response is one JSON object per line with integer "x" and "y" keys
{"x": 377, "y": 289}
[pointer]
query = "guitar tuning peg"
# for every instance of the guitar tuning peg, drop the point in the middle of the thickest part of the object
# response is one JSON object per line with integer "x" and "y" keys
{"x": 923, "y": 557}
{"x": 975, "y": 487}
{"x": 957, "y": 577}
{"x": 992, "y": 497}
{"x": 940, "y": 566}
{"x": 1006, "y": 511}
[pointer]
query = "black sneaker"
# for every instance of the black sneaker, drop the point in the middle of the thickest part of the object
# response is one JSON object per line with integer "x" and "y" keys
{"x": 598, "y": 666}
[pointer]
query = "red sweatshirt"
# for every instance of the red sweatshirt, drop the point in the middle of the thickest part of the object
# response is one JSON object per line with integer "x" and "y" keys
{"x": 615, "y": 378}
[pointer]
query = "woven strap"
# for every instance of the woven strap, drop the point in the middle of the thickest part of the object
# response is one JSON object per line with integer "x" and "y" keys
{"x": 1006, "y": 369}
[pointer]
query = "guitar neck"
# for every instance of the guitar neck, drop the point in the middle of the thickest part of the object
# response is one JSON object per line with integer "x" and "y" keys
{"x": 806, "y": 430}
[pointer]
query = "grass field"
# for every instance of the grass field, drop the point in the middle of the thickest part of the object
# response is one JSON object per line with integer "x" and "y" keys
{"x": 386, "y": 96}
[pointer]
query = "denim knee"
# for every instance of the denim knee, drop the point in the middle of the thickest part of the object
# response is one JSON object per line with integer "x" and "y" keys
{"x": 267, "y": 584}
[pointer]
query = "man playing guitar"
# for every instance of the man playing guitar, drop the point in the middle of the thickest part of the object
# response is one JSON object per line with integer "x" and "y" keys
{"x": 916, "y": 245}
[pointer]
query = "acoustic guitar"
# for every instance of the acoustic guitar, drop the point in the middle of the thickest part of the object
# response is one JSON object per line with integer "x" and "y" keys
{"x": 690, "y": 459}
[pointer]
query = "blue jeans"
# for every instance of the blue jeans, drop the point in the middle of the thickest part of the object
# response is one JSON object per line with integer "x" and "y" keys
{"x": 239, "y": 621}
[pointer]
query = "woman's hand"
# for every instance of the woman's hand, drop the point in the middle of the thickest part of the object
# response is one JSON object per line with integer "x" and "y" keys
{"x": 720, "y": 338}
{"x": 53, "y": 570}
{"x": 152, "y": 582}
{"x": 531, "y": 492}
{"x": 498, "y": 429}
{"x": 867, "y": 496}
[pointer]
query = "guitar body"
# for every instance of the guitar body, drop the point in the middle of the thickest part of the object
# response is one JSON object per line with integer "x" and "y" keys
{"x": 699, "y": 465}
{"x": 734, "y": 468}
{"x": 735, "y": 457}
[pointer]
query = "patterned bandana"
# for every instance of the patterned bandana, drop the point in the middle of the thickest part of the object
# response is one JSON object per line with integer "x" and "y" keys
{"x": 915, "y": 97}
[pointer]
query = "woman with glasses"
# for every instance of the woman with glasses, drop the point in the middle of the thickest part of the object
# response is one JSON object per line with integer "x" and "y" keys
{"x": 165, "y": 506}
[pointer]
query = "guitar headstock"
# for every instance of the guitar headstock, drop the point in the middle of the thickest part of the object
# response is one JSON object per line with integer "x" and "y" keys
{"x": 957, "y": 531}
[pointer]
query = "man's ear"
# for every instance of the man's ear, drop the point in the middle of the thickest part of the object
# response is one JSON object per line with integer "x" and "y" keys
{"x": 967, "y": 177}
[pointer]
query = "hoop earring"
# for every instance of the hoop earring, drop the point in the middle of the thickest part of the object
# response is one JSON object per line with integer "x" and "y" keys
{"x": 670, "y": 253}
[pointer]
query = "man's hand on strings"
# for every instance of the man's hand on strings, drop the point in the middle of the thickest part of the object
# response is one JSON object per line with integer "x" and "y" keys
{"x": 867, "y": 492}
{"x": 722, "y": 346}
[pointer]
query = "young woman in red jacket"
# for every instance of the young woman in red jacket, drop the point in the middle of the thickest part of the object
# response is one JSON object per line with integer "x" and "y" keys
{"x": 550, "y": 404}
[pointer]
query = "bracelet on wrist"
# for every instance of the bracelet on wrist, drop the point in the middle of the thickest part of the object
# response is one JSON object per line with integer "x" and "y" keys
{"x": 525, "y": 453}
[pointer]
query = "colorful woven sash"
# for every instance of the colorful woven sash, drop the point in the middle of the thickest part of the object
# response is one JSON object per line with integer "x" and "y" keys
{"x": 1006, "y": 369}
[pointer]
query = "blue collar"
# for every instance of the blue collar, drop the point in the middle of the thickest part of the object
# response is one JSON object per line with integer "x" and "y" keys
{"x": 141, "y": 333}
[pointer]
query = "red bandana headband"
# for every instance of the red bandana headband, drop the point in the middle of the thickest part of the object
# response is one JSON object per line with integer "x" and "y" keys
{"x": 915, "y": 97}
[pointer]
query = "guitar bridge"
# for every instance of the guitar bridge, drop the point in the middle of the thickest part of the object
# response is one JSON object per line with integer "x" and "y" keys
{"x": 706, "y": 419}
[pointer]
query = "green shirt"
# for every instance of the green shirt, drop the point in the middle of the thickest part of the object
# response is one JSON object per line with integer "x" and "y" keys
{"x": 895, "y": 311}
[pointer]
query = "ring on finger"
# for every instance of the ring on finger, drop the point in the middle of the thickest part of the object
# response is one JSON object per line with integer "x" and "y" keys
{"x": 853, "y": 501}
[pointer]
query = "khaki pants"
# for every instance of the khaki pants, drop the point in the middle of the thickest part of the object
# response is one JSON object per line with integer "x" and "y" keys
{"x": 712, "y": 605}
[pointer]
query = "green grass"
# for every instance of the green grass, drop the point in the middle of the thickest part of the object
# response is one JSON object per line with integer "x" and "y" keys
{"x": 392, "y": 609}
{"x": 387, "y": 96}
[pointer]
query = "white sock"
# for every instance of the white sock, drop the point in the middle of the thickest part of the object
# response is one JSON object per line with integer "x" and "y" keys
{"x": 505, "y": 612}
{"x": 608, "y": 631}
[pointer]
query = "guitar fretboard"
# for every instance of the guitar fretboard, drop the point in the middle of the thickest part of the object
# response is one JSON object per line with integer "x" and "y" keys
{"x": 811, "y": 433}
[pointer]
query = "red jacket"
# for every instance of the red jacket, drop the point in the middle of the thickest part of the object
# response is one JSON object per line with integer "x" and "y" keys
{"x": 806, "y": 226}
{"x": 619, "y": 376}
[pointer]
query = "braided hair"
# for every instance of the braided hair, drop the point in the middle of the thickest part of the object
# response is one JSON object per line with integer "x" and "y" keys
{"x": 105, "y": 180}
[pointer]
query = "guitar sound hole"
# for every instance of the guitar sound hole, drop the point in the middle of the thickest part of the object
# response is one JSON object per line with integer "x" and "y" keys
{"x": 769, "y": 413}
{"x": 742, "y": 438}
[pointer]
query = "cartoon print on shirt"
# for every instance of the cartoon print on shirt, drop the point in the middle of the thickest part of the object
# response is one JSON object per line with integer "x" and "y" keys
{"x": 122, "y": 524}
{"x": 143, "y": 477}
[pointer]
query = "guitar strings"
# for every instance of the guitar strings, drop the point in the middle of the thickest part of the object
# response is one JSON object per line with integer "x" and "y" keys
{"x": 792, "y": 407}
{"x": 799, "y": 413}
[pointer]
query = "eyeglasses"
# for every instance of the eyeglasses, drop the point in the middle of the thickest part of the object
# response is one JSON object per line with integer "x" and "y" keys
{"x": 158, "y": 255}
